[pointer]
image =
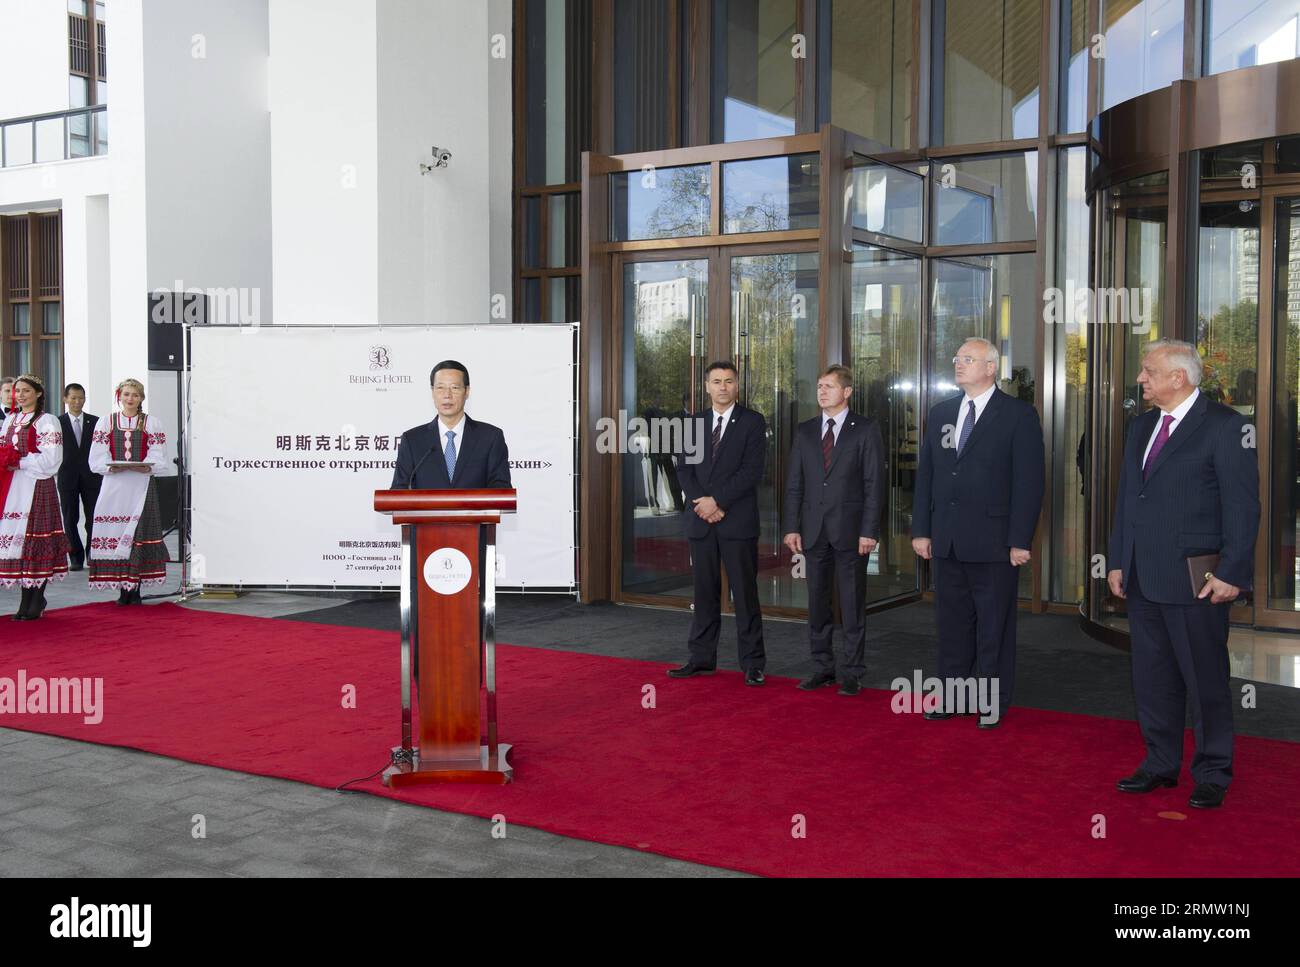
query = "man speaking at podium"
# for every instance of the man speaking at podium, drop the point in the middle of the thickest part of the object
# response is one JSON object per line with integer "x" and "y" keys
{"x": 454, "y": 451}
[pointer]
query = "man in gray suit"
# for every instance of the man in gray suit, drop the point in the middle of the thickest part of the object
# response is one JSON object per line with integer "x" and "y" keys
{"x": 833, "y": 498}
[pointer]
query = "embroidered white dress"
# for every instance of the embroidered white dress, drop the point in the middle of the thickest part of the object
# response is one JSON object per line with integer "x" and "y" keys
{"x": 127, "y": 548}
{"x": 33, "y": 547}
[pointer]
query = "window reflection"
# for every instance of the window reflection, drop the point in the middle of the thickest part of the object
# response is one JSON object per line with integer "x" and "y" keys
{"x": 771, "y": 194}
{"x": 1143, "y": 47}
{"x": 753, "y": 69}
{"x": 1248, "y": 34}
{"x": 990, "y": 69}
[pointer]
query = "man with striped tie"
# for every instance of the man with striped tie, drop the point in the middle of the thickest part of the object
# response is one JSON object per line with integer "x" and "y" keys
{"x": 453, "y": 451}
{"x": 979, "y": 491}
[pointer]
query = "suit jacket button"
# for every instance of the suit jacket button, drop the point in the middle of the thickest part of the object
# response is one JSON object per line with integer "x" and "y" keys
{"x": 954, "y": 473}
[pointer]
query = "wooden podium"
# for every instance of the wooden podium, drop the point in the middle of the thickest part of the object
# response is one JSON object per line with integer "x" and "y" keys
{"x": 448, "y": 635}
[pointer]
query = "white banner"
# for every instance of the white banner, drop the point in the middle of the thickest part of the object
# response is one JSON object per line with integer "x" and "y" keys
{"x": 293, "y": 428}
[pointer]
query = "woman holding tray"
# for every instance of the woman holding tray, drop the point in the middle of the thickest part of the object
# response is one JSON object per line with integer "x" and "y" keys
{"x": 33, "y": 547}
{"x": 127, "y": 548}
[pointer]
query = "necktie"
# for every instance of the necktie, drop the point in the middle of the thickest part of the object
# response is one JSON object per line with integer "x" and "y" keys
{"x": 717, "y": 435}
{"x": 449, "y": 453}
{"x": 76, "y": 429}
{"x": 828, "y": 444}
{"x": 1158, "y": 445}
{"x": 967, "y": 426}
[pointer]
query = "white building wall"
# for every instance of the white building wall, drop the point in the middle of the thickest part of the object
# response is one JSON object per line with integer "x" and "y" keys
{"x": 208, "y": 148}
{"x": 437, "y": 77}
{"x": 33, "y": 57}
{"x": 324, "y": 161}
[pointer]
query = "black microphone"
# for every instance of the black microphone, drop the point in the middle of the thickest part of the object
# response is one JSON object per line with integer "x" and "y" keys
{"x": 411, "y": 484}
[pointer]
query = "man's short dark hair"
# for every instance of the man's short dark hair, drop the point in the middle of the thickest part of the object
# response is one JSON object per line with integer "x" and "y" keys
{"x": 721, "y": 364}
{"x": 449, "y": 364}
{"x": 71, "y": 386}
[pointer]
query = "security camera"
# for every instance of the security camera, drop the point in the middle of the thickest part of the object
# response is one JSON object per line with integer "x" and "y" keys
{"x": 440, "y": 158}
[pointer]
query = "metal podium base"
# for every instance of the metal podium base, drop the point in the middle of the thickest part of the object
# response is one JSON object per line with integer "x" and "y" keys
{"x": 490, "y": 770}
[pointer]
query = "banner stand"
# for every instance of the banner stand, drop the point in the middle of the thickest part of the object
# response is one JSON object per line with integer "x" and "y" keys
{"x": 193, "y": 565}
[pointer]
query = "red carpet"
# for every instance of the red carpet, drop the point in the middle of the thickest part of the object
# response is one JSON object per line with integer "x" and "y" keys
{"x": 716, "y": 773}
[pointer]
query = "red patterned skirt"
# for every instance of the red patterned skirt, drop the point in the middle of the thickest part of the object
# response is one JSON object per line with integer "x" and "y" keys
{"x": 45, "y": 547}
{"x": 148, "y": 561}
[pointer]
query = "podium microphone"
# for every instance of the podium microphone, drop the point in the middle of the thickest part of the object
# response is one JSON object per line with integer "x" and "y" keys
{"x": 411, "y": 483}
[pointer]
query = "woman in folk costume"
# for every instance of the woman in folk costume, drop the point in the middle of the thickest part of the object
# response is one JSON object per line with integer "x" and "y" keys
{"x": 33, "y": 547}
{"x": 127, "y": 549}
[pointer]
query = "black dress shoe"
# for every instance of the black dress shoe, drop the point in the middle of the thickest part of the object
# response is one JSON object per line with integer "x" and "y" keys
{"x": 754, "y": 677}
{"x": 1207, "y": 795}
{"x": 689, "y": 669}
{"x": 1142, "y": 781}
{"x": 938, "y": 716}
{"x": 817, "y": 680}
{"x": 124, "y": 597}
{"x": 851, "y": 687}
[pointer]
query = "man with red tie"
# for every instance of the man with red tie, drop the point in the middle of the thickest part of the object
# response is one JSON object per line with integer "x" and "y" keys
{"x": 834, "y": 494}
{"x": 1188, "y": 488}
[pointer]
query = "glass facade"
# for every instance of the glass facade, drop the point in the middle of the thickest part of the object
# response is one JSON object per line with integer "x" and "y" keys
{"x": 1142, "y": 47}
{"x": 958, "y": 204}
{"x": 988, "y": 65}
{"x": 1246, "y": 34}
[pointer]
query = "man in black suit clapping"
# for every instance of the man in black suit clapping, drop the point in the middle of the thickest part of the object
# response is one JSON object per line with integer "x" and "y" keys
{"x": 833, "y": 497}
{"x": 720, "y": 482}
{"x": 979, "y": 491}
{"x": 78, "y": 484}
{"x": 1189, "y": 487}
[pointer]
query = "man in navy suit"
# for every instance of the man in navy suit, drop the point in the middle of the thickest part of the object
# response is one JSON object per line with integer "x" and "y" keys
{"x": 979, "y": 491}
{"x": 720, "y": 482}
{"x": 454, "y": 450}
{"x": 834, "y": 493}
{"x": 78, "y": 484}
{"x": 1189, "y": 486}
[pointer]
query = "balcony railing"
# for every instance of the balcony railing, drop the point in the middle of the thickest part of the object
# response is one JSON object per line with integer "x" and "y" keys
{"x": 81, "y": 132}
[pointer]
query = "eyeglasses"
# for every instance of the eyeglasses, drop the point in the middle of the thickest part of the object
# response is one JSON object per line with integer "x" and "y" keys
{"x": 968, "y": 360}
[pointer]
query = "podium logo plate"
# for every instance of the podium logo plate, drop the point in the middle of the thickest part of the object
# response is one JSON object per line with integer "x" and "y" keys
{"x": 447, "y": 571}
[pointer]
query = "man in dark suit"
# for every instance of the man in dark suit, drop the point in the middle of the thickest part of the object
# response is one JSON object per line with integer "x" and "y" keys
{"x": 78, "y": 484}
{"x": 979, "y": 491}
{"x": 1189, "y": 486}
{"x": 6, "y": 395}
{"x": 453, "y": 450}
{"x": 720, "y": 482}
{"x": 834, "y": 493}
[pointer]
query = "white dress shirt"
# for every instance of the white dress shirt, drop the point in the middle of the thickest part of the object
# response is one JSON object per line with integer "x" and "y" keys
{"x": 458, "y": 435}
{"x": 1179, "y": 412}
{"x": 77, "y": 426}
{"x": 726, "y": 421}
{"x": 835, "y": 421}
{"x": 981, "y": 401}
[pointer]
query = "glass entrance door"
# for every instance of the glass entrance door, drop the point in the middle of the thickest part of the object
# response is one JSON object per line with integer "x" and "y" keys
{"x": 884, "y": 303}
{"x": 776, "y": 342}
{"x": 1278, "y": 600}
{"x": 664, "y": 308}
